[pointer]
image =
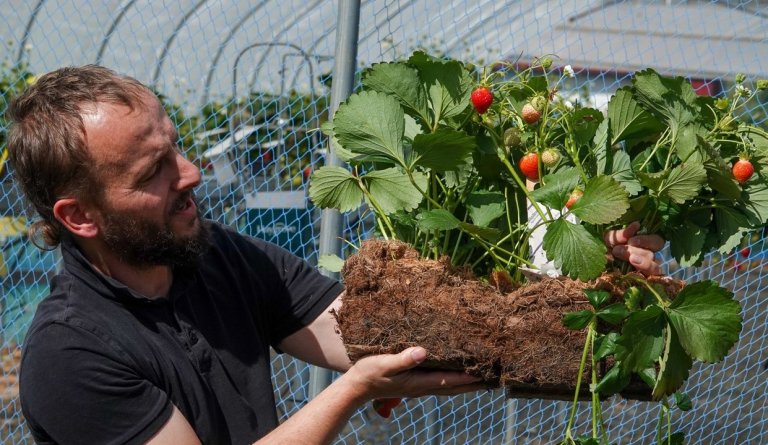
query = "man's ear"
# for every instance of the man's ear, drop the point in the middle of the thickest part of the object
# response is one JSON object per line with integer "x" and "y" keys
{"x": 76, "y": 218}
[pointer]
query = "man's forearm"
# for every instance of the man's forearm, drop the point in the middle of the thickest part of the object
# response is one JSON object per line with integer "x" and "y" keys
{"x": 321, "y": 420}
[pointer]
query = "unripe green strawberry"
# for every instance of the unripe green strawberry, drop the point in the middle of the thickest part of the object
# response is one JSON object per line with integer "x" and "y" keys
{"x": 539, "y": 103}
{"x": 511, "y": 137}
{"x": 550, "y": 157}
{"x": 722, "y": 103}
{"x": 632, "y": 298}
{"x": 728, "y": 123}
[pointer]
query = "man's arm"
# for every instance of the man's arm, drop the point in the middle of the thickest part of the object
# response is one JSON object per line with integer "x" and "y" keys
{"x": 321, "y": 420}
{"x": 319, "y": 343}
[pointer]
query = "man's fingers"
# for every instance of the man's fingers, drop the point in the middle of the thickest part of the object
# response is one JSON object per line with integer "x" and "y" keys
{"x": 460, "y": 389}
{"x": 653, "y": 243}
{"x": 642, "y": 259}
{"x": 621, "y": 236}
{"x": 411, "y": 358}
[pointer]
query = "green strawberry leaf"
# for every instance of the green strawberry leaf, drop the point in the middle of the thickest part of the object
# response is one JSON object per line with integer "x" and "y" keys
{"x": 606, "y": 345}
{"x": 684, "y": 182}
{"x": 707, "y": 320}
{"x": 720, "y": 179}
{"x": 487, "y": 233}
{"x": 398, "y": 80}
{"x": 392, "y": 189}
{"x": 690, "y": 142}
{"x": 613, "y": 314}
{"x": 345, "y": 155}
{"x": 558, "y": 186}
{"x": 596, "y": 297}
{"x": 412, "y": 128}
{"x": 601, "y": 148}
{"x": 604, "y": 201}
{"x": 584, "y": 123}
{"x": 677, "y": 438}
{"x": 731, "y": 224}
{"x": 673, "y": 100}
{"x": 577, "y": 320}
{"x": 575, "y": 251}
{"x": 683, "y": 401}
{"x": 756, "y": 202}
{"x": 674, "y": 366}
{"x": 687, "y": 243}
{"x": 371, "y": 126}
{"x": 448, "y": 84}
{"x": 330, "y": 262}
{"x": 621, "y": 171}
{"x": 627, "y": 119}
{"x": 441, "y": 219}
{"x": 613, "y": 381}
{"x": 652, "y": 181}
{"x": 437, "y": 219}
{"x": 445, "y": 149}
{"x": 336, "y": 188}
{"x": 485, "y": 206}
{"x": 641, "y": 341}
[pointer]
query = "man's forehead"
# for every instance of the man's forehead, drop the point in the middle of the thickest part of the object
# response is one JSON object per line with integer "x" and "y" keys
{"x": 114, "y": 131}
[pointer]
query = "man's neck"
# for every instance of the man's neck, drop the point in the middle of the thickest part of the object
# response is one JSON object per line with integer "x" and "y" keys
{"x": 153, "y": 281}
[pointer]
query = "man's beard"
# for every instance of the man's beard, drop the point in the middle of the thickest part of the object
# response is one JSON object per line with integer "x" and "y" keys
{"x": 144, "y": 243}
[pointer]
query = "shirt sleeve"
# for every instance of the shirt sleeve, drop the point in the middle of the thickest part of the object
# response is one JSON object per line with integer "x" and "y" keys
{"x": 76, "y": 387}
{"x": 303, "y": 293}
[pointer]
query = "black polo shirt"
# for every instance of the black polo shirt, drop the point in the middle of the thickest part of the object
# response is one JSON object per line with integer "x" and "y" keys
{"x": 103, "y": 364}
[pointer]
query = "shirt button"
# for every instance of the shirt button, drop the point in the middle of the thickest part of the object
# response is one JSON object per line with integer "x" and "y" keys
{"x": 192, "y": 338}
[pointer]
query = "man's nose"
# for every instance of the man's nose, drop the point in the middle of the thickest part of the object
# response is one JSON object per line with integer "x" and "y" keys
{"x": 189, "y": 173}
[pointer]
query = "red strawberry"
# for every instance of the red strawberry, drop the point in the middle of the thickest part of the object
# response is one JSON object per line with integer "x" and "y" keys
{"x": 384, "y": 406}
{"x": 745, "y": 252}
{"x": 530, "y": 114}
{"x": 482, "y": 98}
{"x": 576, "y": 194}
{"x": 742, "y": 170}
{"x": 307, "y": 172}
{"x": 529, "y": 165}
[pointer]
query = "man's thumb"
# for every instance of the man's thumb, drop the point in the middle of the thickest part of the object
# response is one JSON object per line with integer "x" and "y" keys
{"x": 412, "y": 357}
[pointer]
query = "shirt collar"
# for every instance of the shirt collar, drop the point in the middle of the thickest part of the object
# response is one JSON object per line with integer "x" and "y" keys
{"x": 76, "y": 264}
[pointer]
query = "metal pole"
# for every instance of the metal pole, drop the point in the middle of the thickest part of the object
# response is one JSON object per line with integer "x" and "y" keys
{"x": 343, "y": 83}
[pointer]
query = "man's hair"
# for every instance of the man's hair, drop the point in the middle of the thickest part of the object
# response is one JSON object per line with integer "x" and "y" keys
{"x": 47, "y": 143}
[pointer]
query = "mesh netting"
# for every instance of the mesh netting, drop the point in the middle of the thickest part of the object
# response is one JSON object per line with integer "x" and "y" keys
{"x": 248, "y": 85}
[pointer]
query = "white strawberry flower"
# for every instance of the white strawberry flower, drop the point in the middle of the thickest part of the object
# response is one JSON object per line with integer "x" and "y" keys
{"x": 568, "y": 71}
{"x": 743, "y": 91}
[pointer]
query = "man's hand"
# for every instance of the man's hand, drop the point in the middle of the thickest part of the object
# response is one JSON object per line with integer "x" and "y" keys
{"x": 392, "y": 375}
{"x": 638, "y": 250}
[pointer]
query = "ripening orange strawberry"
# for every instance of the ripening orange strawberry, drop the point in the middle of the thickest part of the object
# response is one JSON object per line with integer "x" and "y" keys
{"x": 530, "y": 114}
{"x": 576, "y": 194}
{"x": 529, "y": 165}
{"x": 742, "y": 170}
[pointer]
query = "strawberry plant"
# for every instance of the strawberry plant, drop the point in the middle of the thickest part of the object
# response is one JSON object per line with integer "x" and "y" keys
{"x": 437, "y": 168}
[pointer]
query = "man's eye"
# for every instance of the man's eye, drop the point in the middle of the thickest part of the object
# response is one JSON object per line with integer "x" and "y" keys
{"x": 155, "y": 170}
